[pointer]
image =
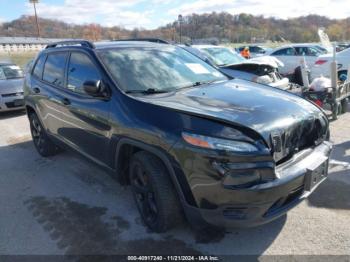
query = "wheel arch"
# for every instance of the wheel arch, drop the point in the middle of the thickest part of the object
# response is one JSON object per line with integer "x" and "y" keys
{"x": 30, "y": 110}
{"x": 126, "y": 147}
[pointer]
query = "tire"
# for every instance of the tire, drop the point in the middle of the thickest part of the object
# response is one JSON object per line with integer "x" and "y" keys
{"x": 42, "y": 142}
{"x": 335, "y": 110}
{"x": 297, "y": 78}
{"x": 344, "y": 105}
{"x": 154, "y": 192}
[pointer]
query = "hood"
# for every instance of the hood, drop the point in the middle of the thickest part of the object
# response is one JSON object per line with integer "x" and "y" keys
{"x": 264, "y": 109}
{"x": 266, "y": 60}
{"x": 9, "y": 86}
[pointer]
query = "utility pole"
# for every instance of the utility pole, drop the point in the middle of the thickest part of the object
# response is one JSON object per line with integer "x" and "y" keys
{"x": 180, "y": 18}
{"x": 34, "y": 2}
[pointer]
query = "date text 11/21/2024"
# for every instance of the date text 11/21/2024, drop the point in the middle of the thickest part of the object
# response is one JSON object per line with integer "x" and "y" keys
{"x": 173, "y": 258}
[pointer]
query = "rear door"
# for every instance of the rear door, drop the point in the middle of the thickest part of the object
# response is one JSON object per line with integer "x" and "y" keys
{"x": 310, "y": 54}
{"x": 47, "y": 78}
{"x": 50, "y": 91}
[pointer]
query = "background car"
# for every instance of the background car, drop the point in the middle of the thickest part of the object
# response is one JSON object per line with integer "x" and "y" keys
{"x": 11, "y": 87}
{"x": 262, "y": 70}
{"x": 322, "y": 65}
{"x": 255, "y": 50}
{"x": 293, "y": 55}
{"x": 342, "y": 46}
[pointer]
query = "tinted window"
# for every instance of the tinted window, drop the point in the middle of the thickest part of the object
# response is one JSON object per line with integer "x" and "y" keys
{"x": 253, "y": 49}
{"x": 307, "y": 51}
{"x": 54, "y": 69}
{"x": 285, "y": 51}
{"x": 38, "y": 70}
{"x": 260, "y": 50}
{"x": 12, "y": 71}
{"x": 222, "y": 56}
{"x": 80, "y": 70}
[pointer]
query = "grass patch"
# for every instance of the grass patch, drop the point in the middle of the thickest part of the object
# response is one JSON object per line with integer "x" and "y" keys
{"x": 20, "y": 59}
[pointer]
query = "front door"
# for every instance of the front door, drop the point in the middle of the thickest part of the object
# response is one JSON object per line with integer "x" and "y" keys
{"x": 86, "y": 117}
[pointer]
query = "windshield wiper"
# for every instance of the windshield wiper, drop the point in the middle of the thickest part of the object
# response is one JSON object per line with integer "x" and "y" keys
{"x": 14, "y": 77}
{"x": 200, "y": 83}
{"x": 227, "y": 64}
{"x": 148, "y": 91}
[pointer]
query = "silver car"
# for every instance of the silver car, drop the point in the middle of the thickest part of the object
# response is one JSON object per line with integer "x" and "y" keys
{"x": 263, "y": 70}
{"x": 11, "y": 87}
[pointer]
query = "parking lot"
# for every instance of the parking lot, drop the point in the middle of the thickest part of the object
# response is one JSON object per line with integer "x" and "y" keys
{"x": 66, "y": 205}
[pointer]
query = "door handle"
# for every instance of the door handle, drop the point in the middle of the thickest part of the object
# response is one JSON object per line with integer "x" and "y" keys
{"x": 36, "y": 90}
{"x": 66, "y": 101}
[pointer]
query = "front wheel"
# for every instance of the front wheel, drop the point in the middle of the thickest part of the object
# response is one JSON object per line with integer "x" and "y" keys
{"x": 42, "y": 142}
{"x": 154, "y": 192}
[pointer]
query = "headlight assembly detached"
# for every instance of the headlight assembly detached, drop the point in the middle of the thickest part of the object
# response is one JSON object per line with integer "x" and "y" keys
{"x": 218, "y": 143}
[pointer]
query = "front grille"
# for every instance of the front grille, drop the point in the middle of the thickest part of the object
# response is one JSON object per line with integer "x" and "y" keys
{"x": 12, "y": 94}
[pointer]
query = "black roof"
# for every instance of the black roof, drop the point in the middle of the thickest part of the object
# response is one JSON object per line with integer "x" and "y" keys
{"x": 111, "y": 44}
{"x": 106, "y": 44}
{"x": 147, "y": 39}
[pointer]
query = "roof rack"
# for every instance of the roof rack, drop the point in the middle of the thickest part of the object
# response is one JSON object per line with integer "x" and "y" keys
{"x": 84, "y": 43}
{"x": 153, "y": 40}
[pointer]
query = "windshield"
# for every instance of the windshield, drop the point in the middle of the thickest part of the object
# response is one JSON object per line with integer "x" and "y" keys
{"x": 162, "y": 69}
{"x": 223, "y": 56}
{"x": 10, "y": 72}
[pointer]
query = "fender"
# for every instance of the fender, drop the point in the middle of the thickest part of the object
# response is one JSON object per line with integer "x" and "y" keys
{"x": 186, "y": 199}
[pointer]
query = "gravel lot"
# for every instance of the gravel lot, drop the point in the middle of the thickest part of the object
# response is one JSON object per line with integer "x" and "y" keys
{"x": 66, "y": 205}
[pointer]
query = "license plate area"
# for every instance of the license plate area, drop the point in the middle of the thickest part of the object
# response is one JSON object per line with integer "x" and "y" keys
{"x": 18, "y": 102}
{"x": 316, "y": 176}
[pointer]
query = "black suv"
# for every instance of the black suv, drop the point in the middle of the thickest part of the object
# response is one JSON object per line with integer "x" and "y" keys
{"x": 185, "y": 137}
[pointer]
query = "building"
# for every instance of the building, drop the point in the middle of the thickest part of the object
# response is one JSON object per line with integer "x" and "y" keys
{"x": 24, "y": 44}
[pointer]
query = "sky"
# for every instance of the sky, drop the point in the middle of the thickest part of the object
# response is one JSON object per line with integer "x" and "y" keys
{"x": 151, "y": 14}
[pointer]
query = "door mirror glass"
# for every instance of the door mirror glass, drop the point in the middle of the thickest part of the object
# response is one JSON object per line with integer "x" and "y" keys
{"x": 92, "y": 87}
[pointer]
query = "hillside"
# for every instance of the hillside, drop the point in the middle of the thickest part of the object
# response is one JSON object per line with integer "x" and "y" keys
{"x": 223, "y": 26}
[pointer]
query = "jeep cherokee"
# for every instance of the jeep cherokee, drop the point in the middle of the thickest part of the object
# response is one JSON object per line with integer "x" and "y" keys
{"x": 187, "y": 139}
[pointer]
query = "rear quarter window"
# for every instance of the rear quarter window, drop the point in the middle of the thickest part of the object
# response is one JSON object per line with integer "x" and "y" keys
{"x": 39, "y": 66}
{"x": 54, "y": 69}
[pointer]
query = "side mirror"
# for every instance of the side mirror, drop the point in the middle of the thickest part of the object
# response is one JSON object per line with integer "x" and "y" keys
{"x": 93, "y": 87}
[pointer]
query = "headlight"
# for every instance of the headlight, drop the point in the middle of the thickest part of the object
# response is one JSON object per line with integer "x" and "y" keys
{"x": 218, "y": 143}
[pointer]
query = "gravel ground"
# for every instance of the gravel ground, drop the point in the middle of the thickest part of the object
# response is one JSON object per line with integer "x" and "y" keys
{"x": 66, "y": 205}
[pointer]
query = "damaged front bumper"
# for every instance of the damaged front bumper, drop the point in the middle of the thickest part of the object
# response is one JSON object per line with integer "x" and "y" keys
{"x": 296, "y": 179}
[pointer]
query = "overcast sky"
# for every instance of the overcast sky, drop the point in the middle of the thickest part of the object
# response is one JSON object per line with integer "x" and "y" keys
{"x": 153, "y": 13}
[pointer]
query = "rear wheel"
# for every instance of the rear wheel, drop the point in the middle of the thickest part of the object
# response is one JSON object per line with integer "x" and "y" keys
{"x": 42, "y": 142}
{"x": 154, "y": 193}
